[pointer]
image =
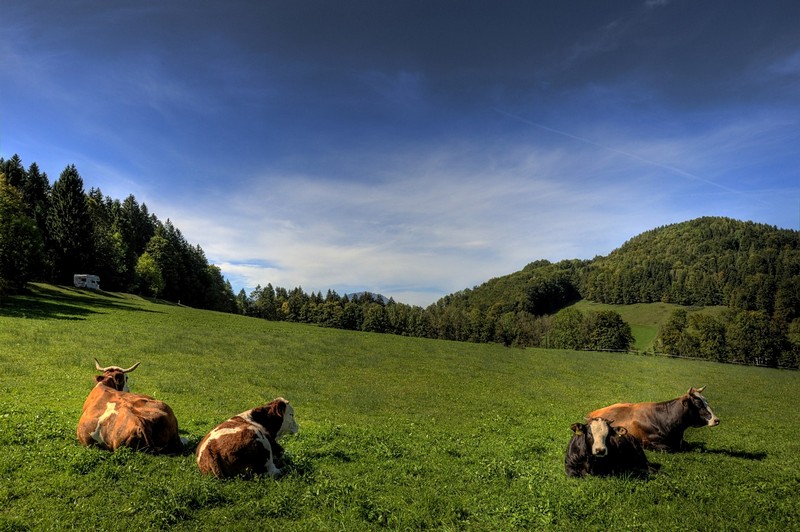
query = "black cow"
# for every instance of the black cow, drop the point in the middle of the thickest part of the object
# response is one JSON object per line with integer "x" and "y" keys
{"x": 598, "y": 448}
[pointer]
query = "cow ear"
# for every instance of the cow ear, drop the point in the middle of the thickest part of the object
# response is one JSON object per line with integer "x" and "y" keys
{"x": 578, "y": 428}
{"x": 98, "y": 378}
{"x": 277, "y": 407}
{"x": 622, "y": 431}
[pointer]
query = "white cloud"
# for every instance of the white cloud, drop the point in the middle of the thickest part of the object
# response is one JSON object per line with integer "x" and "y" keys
{"x": 432, "y": 226}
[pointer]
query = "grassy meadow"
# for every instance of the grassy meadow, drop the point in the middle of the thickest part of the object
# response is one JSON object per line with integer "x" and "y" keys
{"x": 395, "y": 432}
{"x": 645, "y": 319}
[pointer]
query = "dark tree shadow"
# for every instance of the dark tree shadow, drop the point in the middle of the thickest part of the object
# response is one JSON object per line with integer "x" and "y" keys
{"x": 48, "y": 303}
{"x": 700, "y": 447}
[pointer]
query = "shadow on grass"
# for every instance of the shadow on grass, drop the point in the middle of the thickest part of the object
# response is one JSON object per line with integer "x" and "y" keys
{"x": 63, "y": 303}
{"x": 700, "y": 447}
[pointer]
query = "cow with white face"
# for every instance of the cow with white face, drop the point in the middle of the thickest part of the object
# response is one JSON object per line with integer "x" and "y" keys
{"x": 113, "y": 417}
{"x": 598, "y": 448}
{"x": 247, "y": 443}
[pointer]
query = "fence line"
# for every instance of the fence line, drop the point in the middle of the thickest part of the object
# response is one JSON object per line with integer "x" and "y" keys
{"x": 683, "y": 357}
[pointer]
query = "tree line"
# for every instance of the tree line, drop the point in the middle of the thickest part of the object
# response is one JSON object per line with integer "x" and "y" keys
{"x": 49, "y": 233}
{"x": 604, "y": 330}
{"x": 737, "y": 336}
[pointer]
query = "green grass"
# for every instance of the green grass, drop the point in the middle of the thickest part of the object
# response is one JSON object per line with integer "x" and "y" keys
{"x": 645, "y": 319}
{"x": 395, "y": 432}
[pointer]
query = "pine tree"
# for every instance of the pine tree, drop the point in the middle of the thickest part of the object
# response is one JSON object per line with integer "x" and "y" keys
{"x": 14, "y": 171}
{"x": 36, "y": 195}
{"x": 20, "y": 241}
{"x": 69, "y": 226}
{"x": 135, "y": 227}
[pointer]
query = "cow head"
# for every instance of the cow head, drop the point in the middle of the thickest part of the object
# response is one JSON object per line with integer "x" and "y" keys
{"x": 702, "y": 415}
{"x": 596, "y": 432}
{"x": 114, "y": 376}
{"x": 282, "y": 408}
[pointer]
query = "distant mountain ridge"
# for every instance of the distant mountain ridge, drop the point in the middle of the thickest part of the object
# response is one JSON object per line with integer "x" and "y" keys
{"x": 380, "y": 298}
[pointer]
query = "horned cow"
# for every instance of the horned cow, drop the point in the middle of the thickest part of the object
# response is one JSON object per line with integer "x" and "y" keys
{"x": 660, "y": 426}
{"x": 113, "y": 417}
{"x": 598, "y": 448}
{"x": 247, "y": 443}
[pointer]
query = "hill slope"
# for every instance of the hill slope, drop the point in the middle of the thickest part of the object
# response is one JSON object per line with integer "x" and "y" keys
{"x": 395, "y": 432}
{"x": 754, "y": 269}
{"x": 707, "y": 261}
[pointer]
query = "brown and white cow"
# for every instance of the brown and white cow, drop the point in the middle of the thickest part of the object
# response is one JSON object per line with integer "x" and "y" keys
{"x": 113, "y": 417}
{"x": 660, "y": 426}
{"x": 247, "y": 443}
{"x": 598, "y": 448}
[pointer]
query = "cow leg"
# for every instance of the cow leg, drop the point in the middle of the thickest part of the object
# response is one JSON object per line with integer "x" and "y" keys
{"x": 269, "y": 464}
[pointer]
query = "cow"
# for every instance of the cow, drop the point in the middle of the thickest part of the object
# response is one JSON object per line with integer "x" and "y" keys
{"x": 113, "y": 417}
{"x": 246, "y": 444}
{"x": 660, "y": 426}
{"x": 598, "y": 448}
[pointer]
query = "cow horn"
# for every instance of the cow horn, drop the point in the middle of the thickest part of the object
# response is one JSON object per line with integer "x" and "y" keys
{"x": 101, "y": 369}
{"x": 131, "y": 368}
{"x": 700, "y": 390}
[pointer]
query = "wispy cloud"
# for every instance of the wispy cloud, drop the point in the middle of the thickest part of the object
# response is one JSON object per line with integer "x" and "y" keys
{"x": 433, "y": 221}
{"x": 633, "y": 156}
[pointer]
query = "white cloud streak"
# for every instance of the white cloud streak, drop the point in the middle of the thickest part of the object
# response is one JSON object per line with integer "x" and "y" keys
{"x": 433, "y": 228}
{"x": 428, "y": 223}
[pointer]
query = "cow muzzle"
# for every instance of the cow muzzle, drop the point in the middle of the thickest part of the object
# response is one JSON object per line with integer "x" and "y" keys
{"x": 599, "y": 451}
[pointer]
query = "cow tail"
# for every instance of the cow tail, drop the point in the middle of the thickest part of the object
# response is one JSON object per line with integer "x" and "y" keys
{"x": 145, "y": 443}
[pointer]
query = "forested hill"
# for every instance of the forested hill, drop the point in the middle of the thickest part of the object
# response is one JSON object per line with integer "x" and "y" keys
{"x": 707, "y": 261}
{"x": 51, "y": 232}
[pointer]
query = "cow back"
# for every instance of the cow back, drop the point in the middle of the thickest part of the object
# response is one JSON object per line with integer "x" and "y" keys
{"x": 247, "y": 442}
{"x": 636, "y": 418}
{"x": 235, "y": 447}
{"x": 113, "y": 419}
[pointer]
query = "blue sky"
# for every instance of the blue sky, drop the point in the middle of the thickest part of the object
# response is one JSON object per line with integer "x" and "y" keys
{"x": 410, "y": 148}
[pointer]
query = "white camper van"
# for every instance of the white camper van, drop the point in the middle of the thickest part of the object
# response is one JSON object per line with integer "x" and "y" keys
{"x": 82, "y": 280}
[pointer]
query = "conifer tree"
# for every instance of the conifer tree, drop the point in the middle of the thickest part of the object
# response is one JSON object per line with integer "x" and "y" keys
{"x": 36, "y": 195}
{"x": 20, "y": 241}
{"x": 13, "y": 170}
{"x": 69, "y": 226}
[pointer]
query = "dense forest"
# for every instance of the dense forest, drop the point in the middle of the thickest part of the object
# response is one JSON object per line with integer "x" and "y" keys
{"x": 604, "y": 330}
{"x": 49, "y": 233}
{"x": 752, "y": 269}
{"x": 708, "y": 261}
